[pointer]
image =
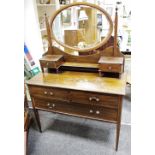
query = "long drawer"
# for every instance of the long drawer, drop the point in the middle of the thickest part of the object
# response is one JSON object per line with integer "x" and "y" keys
{"x": 94, "y": 99}
{"x": 110, "y": 101}
{"x": 77, "y": 109}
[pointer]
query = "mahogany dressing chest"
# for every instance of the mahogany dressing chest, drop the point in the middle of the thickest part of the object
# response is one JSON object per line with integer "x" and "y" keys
{"x": 90, "y": 84}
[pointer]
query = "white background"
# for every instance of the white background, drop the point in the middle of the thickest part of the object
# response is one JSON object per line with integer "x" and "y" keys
{"x": 12, "y": 77}
{"x": 32, "y": 35}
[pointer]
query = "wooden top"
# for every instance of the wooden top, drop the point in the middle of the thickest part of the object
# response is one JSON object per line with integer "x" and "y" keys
{"x": 111, "y": 60}
{"x": 51, "y": 57}
{"x": 81, "y": 81}
{"x": 80, "y": 64}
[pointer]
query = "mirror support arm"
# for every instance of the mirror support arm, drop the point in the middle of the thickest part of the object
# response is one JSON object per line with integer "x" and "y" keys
{"x": 115, "y": 33}
{"x": 49, "y": 34}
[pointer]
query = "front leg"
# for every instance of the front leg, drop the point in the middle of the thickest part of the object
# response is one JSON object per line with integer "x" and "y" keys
{"x": 36, "y": 115}
{"x": 118, "y": 121}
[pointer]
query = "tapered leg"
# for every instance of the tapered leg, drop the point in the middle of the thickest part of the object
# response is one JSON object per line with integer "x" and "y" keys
{"x": 100, "y": 73}
{"x": 37, "y": 119}
{"x": 57, "y": 70}
{"x": 118, "y": 122}
{"x": 36, "y": 115}
{"x": 42, "y": 68}
{"x": 117, "y": 136}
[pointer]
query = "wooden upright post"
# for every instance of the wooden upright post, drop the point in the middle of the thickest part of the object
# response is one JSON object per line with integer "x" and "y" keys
{"x": 48, "y": 34}
{"x": 115, "y": 33}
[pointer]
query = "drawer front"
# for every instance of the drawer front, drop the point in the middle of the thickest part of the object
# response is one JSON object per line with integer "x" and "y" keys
{"x": 97, "y": 112}
{"x": 111, "y": 68}
{"x": 102, "y": 112}
{"x": 49, "y": 93}
{"x": 94, "y": 99}
{"x": 47, "y": 64}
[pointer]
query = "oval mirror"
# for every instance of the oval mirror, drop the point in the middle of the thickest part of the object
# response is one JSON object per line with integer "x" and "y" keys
{"x": 81, "y": 27}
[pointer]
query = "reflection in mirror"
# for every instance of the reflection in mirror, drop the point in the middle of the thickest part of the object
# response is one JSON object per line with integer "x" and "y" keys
{"x": 81, "y": 27}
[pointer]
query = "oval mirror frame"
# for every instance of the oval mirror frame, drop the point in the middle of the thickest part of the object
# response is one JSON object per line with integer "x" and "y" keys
{"x": 103, "y": 41}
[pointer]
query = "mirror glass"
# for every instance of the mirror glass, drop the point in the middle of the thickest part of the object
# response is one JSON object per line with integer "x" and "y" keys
{"x": 80, "y": 27}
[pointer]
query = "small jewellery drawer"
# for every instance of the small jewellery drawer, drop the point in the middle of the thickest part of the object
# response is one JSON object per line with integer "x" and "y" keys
{"x": 111, "y": 68}
{"x": 78, "y": 109}
{"x": 51, "y": 93}
{"x": 94, "y": 99}
{"x": 47, "y": 64}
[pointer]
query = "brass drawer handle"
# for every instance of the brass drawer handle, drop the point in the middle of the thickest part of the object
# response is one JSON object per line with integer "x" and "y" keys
{"x": 109, "y": 67}
{"x": 47, "y": 63}
{"x": 91, "y": 111}
{"x": 50, "y": 107}
{"x": 45, "y": 92}
{"x": 94, "y": 98}
{"x": 51, "y": 93}
{"x": 97, "y": 112}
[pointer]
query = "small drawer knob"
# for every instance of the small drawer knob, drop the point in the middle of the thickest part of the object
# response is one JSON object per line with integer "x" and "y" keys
{"x": 51, "y": 93}
{"x": 53, "y": 105}
{"x": 91, "y": 111}
{"x": 45, "y": 92}
{"x": 48, "y": 104}
{"x": 97, "y": 112}
{"x": 109, "y": 67}
{"x": 97, "y": 99}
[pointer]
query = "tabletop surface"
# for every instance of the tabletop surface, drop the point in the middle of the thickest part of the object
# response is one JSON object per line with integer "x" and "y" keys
{"x": 51, "y": 57}
{"x": 83, "y": 81}
{"x": 111, "y": 60}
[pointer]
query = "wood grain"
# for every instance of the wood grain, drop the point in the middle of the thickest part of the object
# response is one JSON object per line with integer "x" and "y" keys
{"x": 111, "y": 60}
{"x": 78, "y": 109}
{"x": 81, "y": 81}
{"x": 83, "y": 65}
